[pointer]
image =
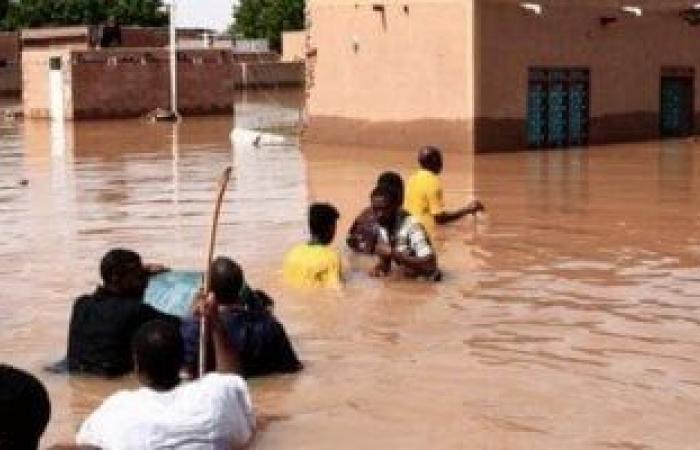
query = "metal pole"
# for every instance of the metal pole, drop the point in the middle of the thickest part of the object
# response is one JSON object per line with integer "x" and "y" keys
{"x": 173, "y": 60}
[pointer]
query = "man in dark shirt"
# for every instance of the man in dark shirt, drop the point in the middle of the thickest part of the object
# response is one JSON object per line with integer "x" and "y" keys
{"x": 102, "y": 324}
{"x": 255, "y": 334}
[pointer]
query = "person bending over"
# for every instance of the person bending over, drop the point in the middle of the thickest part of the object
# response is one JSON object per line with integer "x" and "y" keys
{"x": 424, "y": 196}
{"x": 316, "y": 264}
{"x": 403, "y": 240}
{"x": 257, "y": 336}
{"x": 25, "y": 409}
{"x": 212, "y": 413}
{"x": 102, "y": 324}
{"x": 363, "y": 234}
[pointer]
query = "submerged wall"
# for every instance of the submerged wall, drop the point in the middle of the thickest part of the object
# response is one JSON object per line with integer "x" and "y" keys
{"x": 390, "y": 74}
{"x": 625, "y": 58}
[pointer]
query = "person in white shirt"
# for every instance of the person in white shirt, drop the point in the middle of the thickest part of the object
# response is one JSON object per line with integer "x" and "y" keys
{"x": 212, "y": 413}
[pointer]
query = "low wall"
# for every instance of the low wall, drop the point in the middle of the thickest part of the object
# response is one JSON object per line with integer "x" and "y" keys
{"x": 10, "y": 64}
{"x": 270, "y": 74}
{"x": 113, "y": 83}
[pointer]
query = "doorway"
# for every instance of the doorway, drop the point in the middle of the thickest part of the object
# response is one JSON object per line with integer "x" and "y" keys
{"x": 558, "y": 107}
{"x": 677, "y": 100}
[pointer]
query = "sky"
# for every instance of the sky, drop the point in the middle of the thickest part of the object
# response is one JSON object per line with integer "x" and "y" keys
{"x": 204, "y": 13}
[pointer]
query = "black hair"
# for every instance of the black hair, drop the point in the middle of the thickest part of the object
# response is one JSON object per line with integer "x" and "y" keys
{"x": 322, "y": 219}
{"x": 158, "y": 354}
{"x": 226, "y": 280}
{"x": 389, "y": 192}
{"x": 430, "y": 157}
{"x": 25, "y": 409}
{"x": 394, "y": 181}
{"x": 118, "y": 262}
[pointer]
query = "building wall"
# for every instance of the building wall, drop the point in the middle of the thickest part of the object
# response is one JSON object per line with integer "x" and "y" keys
{"x": 145, "y": 37}
{"x": 401, "y": 77}
{"x": 111, "y": 83}
{"x": 10, "y": 64}
{"x": 293, "y": 44}
{"x": 35, "y": 81}
{"x": 625, "y": 60}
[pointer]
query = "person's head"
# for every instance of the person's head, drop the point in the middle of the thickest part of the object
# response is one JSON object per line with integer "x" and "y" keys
{"x": 226, "y": 280}
{"x": 430, "y": 158}
{"x": 392, "y": 180}
{"x": 385, "y": 204}
{"x": 123, "y": 272}
{"x": 158, "y": 355}
{"x": 323, "y": 218}
{"x": 25, "y": 409}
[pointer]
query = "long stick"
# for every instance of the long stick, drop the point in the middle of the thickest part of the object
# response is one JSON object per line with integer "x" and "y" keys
{"x": 203, "y": 325}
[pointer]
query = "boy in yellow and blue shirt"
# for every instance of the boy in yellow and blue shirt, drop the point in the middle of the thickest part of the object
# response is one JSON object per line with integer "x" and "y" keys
{"x": 316, "y": 264}
{"x": 424, "y": 196}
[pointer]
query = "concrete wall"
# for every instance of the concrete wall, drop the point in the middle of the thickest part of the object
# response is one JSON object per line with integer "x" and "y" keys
{"x": 35, "y": 82}
{"x": 398, "y": 77}
{"x": 293, "y": 45}
{"x": 625, "y": 60}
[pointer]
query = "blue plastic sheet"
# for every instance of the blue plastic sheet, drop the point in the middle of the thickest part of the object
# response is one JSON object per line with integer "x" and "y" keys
{"x": 173, "y": 292}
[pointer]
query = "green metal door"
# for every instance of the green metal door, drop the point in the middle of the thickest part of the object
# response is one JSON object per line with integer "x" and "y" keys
{"x": 676, "y": 115}
{"x": 557, "y": 107}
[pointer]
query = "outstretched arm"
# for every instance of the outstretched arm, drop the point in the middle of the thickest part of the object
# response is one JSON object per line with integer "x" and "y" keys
{"x": 451, "y": 216}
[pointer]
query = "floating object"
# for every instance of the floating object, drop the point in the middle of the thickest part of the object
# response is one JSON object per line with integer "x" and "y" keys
{"x": 23, "y": 182}
{"x": 173, "y": 292}
{"x": 261, "y": 139}
{"x": 162, "y": 115}
{"x": 534, "y": 8}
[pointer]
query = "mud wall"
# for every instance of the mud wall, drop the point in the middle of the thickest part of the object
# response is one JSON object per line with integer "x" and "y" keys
{"x": 390, "y": 74}
{"x": 10, "y": 64}
{"x": 625, "y": 58}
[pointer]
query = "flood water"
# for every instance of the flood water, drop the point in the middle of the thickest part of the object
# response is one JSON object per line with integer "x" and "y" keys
{"x": 569, "y": 316}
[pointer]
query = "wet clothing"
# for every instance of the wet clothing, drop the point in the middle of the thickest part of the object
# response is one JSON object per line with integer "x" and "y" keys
{"x": 213, "y": 413}
{"x": 364, "y": 232}
{"x": 313, "y": 266}
{"x": 259, "y": 339}
{"x": 24, "y": 409}
{"x": 409, "y": 237}
{"x": 101, "y": 328}
{"x": 424, "y": 198}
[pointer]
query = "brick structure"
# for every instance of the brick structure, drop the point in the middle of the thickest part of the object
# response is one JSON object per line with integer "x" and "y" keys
{"x": 113, "y": 83}
{"x": 10, "y": 67}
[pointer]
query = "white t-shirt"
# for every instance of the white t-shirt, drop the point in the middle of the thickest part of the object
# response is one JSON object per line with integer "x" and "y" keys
{"x": 213, "y": 413}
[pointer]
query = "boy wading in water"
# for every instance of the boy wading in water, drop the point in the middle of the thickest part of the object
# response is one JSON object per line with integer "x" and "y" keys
{"x": 403, "y": 241}
{"x": 316, "y": 264}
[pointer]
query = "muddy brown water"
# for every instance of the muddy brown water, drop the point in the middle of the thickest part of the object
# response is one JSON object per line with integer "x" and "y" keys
{"x": 569, "y": 317}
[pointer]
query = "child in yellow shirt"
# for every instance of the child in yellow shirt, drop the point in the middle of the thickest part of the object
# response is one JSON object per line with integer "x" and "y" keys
{"x": 316, "y": 264}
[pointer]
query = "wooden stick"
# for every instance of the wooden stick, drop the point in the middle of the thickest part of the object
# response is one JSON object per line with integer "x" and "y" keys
{"x": 203, "y": 325}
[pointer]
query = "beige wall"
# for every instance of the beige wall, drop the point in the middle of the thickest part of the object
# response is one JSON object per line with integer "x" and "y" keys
{"x": 293, "y": 43}
{"x": 35, "y": 81}
{"x": 399, "y": 78}
{"x": 625, "y": 60}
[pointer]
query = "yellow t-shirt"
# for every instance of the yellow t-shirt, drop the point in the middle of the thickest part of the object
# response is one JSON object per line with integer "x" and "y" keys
{"x": 312, "y": 266}
{"x": 424, "y": 198}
